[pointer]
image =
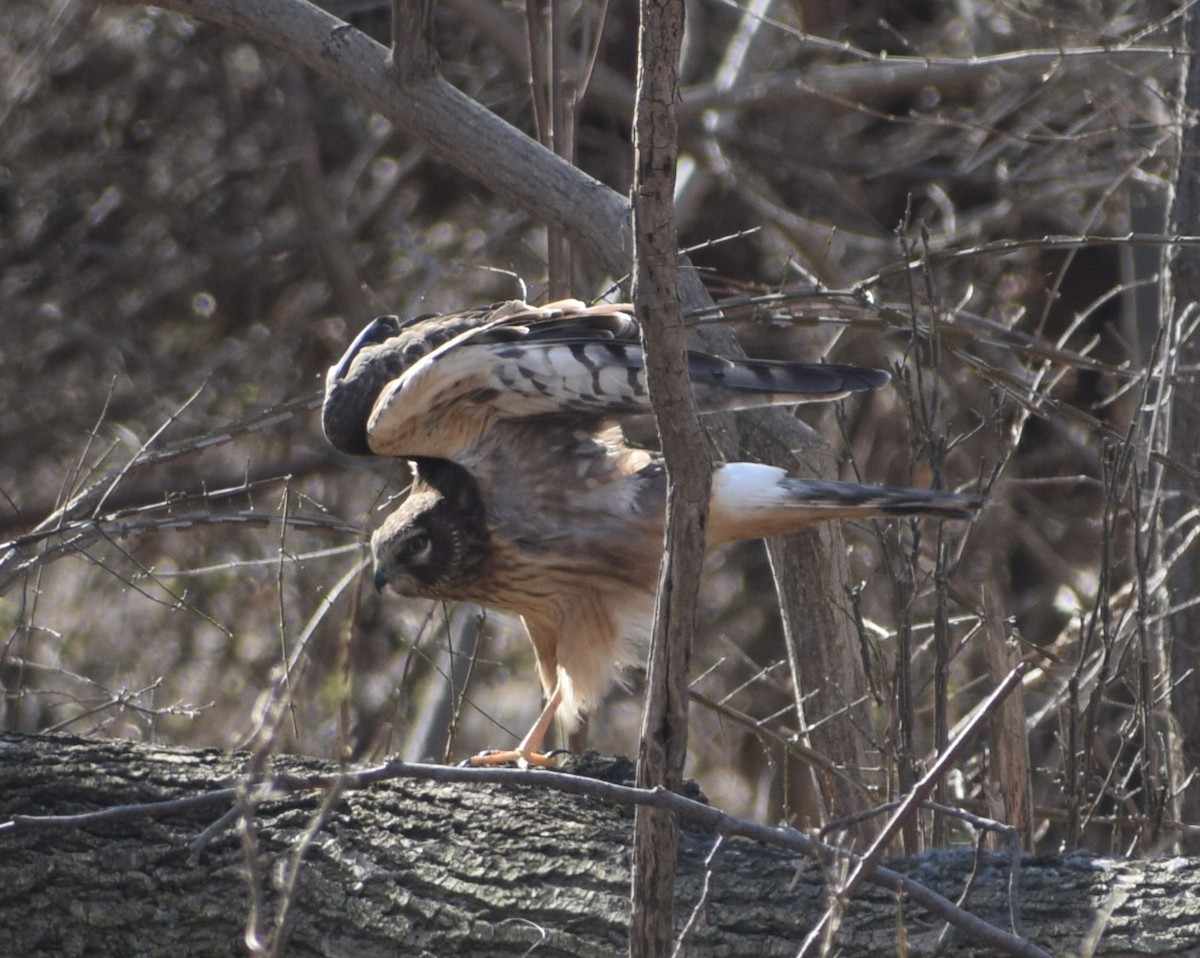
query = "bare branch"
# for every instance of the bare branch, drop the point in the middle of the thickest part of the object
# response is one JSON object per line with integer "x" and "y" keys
{"x": 664, "y": 738}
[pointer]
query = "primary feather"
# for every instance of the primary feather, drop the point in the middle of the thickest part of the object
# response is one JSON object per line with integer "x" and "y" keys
{"x": 435, "y": 385}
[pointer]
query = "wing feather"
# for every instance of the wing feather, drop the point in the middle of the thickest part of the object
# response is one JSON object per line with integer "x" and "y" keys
{"x": 436, "y": 387}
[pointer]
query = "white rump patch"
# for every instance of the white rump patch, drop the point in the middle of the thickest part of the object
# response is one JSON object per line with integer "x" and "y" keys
{"x": 740, "y": 486}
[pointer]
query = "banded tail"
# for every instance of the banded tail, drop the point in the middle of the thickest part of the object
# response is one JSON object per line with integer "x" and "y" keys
{"x": 752, "y": 501}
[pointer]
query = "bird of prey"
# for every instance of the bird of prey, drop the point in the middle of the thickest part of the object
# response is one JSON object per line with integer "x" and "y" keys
{"x": 526, "y": 496}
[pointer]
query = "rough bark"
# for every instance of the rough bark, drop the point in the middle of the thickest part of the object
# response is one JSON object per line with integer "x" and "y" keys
{"x": 416, "y": 868}
{"x": 664, "y": 738}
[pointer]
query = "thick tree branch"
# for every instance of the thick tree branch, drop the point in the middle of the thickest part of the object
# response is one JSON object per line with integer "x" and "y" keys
{"x": 425, "y": 859}
{"x": 465, "y": 134}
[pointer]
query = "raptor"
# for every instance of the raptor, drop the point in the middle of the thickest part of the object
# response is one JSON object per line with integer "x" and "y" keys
{"x": 526, "y": 495}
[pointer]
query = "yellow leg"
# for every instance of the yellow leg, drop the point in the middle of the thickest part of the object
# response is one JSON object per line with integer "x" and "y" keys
{"x": 529, "y": 749}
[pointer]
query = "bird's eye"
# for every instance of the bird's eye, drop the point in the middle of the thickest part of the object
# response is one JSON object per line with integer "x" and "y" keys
{"x": 416, "y": 546}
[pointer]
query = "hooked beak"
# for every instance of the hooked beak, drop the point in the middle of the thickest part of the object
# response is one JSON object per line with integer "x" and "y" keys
{"x": 380, "y": 580}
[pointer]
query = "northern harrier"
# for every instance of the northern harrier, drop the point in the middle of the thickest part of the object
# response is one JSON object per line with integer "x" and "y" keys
{"x": 526, "y": 496}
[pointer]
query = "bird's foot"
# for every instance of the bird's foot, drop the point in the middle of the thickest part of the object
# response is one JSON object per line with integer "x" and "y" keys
{"x": 522, "y": 758}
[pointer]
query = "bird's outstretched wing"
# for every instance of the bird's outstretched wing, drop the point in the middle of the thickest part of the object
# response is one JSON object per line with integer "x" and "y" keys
{"x": 435, "y": 385}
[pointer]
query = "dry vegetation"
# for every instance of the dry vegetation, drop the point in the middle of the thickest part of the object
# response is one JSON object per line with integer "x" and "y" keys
{"x": 191, "y": 228}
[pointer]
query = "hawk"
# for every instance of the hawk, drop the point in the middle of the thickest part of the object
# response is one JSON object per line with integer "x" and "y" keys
{"x": 526, "y": 496}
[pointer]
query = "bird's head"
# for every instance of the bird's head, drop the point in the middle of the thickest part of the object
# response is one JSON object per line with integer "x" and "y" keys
{"x": 416, "y": 548}
{"x": 432, "y": 545}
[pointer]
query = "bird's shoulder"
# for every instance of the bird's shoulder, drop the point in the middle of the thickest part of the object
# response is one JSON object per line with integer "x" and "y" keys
{"x": 398, "y": 372}
{"x": 405, "y": 342}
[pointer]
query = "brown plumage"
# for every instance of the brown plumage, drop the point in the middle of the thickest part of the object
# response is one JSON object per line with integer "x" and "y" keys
{"x": 527, "y": 498}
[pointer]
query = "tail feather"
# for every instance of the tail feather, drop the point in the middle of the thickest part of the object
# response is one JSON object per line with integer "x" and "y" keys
{"x": 726, "y": 385}
{"x": 752, "y": 501}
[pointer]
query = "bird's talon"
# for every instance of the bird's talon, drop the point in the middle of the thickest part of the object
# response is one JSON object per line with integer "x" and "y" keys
{"x": 494, "y": 758}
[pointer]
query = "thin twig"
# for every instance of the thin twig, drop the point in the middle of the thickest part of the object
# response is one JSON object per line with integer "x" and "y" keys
{"x": 920, "y": 792}
{"x": 685, "y": 936}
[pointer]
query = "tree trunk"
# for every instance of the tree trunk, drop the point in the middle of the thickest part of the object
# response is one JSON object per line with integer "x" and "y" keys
{"x": 1179, "y": 393}
{"x": 415, "y": 868}
{"x": 663, "y": 749}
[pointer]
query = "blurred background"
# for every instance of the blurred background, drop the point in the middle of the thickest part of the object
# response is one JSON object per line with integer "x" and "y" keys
{"x": 193, "y": 227}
